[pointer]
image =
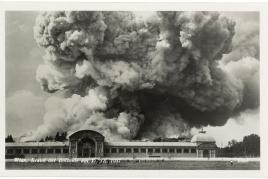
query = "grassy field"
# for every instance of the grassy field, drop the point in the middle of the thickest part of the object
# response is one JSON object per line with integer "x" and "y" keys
{"x": 139, "y": 165}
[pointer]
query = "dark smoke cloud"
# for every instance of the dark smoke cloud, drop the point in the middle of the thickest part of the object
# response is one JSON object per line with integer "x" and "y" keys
{"x": 130, "y": 79}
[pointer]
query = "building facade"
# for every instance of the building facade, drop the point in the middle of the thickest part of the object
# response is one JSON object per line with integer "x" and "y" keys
{"x": 90, "y": 144}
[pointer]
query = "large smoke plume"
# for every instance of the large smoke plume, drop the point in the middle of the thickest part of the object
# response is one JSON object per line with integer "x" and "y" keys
{"x": 129, "y": 79}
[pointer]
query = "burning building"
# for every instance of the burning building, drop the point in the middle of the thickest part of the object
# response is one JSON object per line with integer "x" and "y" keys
{"x": 88, "y": 143}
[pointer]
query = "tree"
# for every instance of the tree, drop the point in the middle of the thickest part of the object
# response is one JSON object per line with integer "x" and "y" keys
{"x": 63, "y": 136}
{"x": 251, "y": 145}
{"x": 42, "y": 140}
{"x": 48, "y": 138}
{"x": 232, "y": 143}
{"x": 60, "y": 136}
{"x": 57, "y": 137}
{"x": 9, "y": 138}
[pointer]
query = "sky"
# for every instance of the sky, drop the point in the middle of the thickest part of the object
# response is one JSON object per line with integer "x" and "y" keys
{"x": 25, "y": 101}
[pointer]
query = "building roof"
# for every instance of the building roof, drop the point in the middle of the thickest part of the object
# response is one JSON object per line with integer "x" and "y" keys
{"x": 79, "y": 132}
{"x": 151, "y": 144}
{"x": 37, "y": 144}
{"x": 202, "y": 137}
{"x": 115, "y": 144}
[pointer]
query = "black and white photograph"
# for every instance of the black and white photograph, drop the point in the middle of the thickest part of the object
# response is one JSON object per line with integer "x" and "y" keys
{"x": 132, "y": 90}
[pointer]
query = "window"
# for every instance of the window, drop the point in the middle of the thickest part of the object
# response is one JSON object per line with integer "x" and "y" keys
{"x": 57, "y": 151}
{"x": 42, "y": 151}
{"x": 143, "y": 150}
{"x": 157, "y": 150}
{"x": 34, "y": 151}
{"x": 50, "y": 151}
{"x": 121, "y": 150}
{"x": 171, "y": 150}
{"x": 136, "y": 150}
{"x": 10, "y": 151}
{"x": 150, "y": 150}
{"x": 128, "y": 150}
{"x": 178, "y": 150}
{"x": 113, "y": 150}
{"x": 26, "y": 151}
{"x": 65, "y": 151}
{"x": 193, "y": 150}
{"x": 18, "y": 151}
{"x": 186, "y": 150}
{"x": 164, "y": 150}
{"x": 107, "y": 150}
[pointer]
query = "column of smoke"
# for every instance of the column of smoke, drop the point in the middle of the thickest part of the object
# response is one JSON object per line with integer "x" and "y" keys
{"x": 130, "y": 79}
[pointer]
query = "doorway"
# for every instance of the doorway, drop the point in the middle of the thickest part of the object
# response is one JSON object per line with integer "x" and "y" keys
{"x": 86, "y": 148}
{"x": 205, "y": 153}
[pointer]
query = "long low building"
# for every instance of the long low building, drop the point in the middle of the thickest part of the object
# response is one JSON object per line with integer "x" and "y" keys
{"x": 88, "y": 143}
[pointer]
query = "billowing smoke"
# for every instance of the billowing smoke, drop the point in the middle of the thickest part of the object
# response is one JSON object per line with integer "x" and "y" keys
{"x": 130, "y": 79}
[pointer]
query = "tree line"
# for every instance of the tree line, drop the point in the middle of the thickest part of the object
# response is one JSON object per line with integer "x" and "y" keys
{"x": 60, "y": 137}
{"x": 248, "y": 147}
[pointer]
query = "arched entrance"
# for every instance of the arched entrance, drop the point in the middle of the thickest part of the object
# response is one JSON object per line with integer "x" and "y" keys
{"x": 205, "y": 153}
{"x": 86, "y": 143}
{"x": 86, "y": 148}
